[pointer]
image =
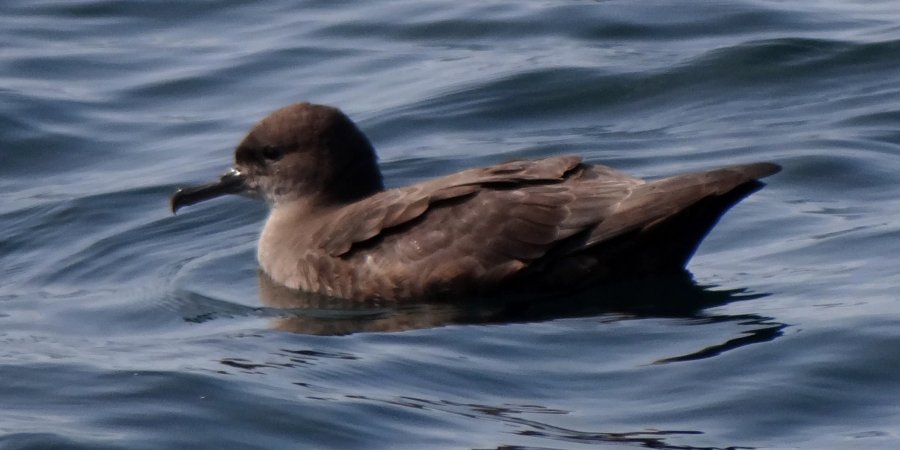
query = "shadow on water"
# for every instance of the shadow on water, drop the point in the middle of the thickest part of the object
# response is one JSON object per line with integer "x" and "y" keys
{"x": 511, "y": 415}
{"x": 677, "y": 296}
{"x": 765, "y": 330}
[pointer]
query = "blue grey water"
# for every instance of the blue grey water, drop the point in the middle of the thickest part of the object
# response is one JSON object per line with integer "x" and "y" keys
{"x": 122, "y": 326}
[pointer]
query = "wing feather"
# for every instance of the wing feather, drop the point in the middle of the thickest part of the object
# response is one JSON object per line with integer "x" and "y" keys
{"x": 500, "y": 218}
{"x": 375, "y": 216}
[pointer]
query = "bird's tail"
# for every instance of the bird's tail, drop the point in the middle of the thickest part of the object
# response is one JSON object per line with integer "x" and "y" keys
{"x": 667, "y": 219}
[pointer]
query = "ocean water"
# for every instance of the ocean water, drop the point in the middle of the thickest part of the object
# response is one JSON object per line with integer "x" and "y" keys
{"x": 123, "y": 326}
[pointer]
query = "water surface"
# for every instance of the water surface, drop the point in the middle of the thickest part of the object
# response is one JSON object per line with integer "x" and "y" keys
{"x": 122, "y": 326}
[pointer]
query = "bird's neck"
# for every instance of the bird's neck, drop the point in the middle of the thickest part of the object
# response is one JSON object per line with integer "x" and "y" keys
{"x": 355, "y": 180}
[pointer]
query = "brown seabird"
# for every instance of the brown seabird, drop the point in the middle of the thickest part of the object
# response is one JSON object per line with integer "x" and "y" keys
{"x": 530, "y": 226}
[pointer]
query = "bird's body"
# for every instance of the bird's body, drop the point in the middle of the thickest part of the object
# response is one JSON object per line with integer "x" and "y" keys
{"x": 536, "y": 226}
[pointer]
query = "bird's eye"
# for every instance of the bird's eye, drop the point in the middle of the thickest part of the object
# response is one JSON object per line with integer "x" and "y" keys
{"x": 272, "y": 153}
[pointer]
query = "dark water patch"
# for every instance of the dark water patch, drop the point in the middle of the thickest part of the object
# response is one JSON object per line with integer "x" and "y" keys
{"x": 204, "y": 403}
{"x": 666, "y": 22}
{"x": 845, "y": 165}
{"x": 198, "y": 308}
{"x": 744, "y": 75}
{"x": 124, "y": 326}
{"x": 115, "y": 11}
{"x": 49, "y": 440}
{"x": 766, "y": 332}
{"x": 796, "y": 59}
{"x": 886, "y": 118}
{"x": 57, "y": 224}
{"x": 42, "y": 138}
{"x": 515, "y": 418}
{"x": 588, "y": 21}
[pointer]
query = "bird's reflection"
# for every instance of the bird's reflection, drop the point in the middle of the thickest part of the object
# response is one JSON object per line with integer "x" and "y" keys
{"x": 524, "y": 420}
{"x": 676, "y": 296}
{"x": 765, "y": 329}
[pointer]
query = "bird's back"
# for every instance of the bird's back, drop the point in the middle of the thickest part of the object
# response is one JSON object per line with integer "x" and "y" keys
{"x": 548, "y": 224}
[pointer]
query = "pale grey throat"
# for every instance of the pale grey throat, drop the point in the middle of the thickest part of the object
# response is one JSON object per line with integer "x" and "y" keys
{"x": 536, "y": 226}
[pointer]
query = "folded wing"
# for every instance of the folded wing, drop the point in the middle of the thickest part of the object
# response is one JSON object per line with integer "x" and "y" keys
{"x": 485, "y": 225}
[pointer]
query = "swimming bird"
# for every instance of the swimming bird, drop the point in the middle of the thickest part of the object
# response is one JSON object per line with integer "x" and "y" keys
{"x": 531, "y": 226}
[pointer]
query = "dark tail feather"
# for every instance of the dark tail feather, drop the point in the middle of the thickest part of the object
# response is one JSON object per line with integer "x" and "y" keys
{"x": 659, "y": 201}
{"x": 677, "y": 237}
{"x": 655, "y": 231}
{"x": 665, "y": 221}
